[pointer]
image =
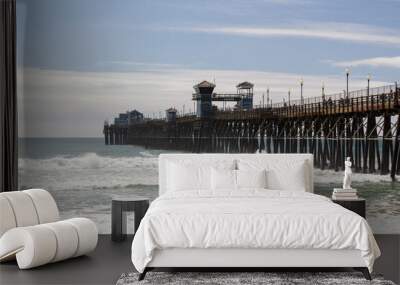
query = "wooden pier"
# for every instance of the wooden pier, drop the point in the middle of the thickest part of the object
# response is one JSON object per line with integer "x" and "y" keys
{"x": 363, "y": 125}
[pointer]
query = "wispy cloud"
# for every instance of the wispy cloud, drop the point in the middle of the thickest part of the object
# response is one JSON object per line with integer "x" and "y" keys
{"x": 233, "y": 7}
{"x": 329, "y": 31}
{"x": 141, "y": 64}
{"x": 393, "y": 62}
{"x": 285, "y": 2}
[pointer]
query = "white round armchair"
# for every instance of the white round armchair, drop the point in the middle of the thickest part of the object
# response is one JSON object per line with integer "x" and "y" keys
{"x": 30, "y": 230}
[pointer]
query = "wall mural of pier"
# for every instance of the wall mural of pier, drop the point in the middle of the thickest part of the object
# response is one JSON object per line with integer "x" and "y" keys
{"x": 362, "y": 124}
{"x": 135, "y": 63}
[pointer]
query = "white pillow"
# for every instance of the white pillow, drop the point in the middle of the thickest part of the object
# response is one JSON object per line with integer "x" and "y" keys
{"x": 223, "y": 179}
{"x": 281, "y": 175}
{"x": 181, "y": 177}
{"x": 292, "y": 177}
{"x": 251, "y": 179}
{"x": 189, "y": 175}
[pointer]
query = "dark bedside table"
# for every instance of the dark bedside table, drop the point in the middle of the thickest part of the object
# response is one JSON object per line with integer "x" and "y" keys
{"x": 119, "y": 207}
{"x": 356, "y": 205}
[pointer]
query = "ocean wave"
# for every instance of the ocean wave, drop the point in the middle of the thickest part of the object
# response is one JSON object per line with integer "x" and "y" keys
{"x": 89, "y": 160}
{"x": 88, "y": 171}
{"x": 147, "y": 154}
{"x": 92, "y": 171}
{"x": 333, "y": 177}
{"x": 128, "y": 186}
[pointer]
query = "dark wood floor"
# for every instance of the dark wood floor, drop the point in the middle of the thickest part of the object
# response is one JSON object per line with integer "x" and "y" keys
{"x": 110, "y": 260}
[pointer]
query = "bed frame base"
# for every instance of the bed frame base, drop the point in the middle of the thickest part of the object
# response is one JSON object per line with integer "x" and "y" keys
{"x": 363, "y": 270}
{"x": 143, "y": 274}
{"x": 242, "y": 259}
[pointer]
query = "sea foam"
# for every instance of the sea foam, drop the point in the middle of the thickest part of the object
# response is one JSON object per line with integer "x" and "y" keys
{"x": 93, "y": 171}
{"x": 333, "y": 177}
{"x": 88, "y": 171}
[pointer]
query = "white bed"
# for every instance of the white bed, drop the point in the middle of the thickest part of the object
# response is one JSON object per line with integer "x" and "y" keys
{"x": 248, "y": 227}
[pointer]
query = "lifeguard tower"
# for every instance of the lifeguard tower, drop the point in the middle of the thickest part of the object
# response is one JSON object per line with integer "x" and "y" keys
{"x": 204, "y": 96}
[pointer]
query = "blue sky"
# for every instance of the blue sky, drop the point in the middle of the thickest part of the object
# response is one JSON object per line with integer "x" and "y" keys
{"x": 123, "y": 54}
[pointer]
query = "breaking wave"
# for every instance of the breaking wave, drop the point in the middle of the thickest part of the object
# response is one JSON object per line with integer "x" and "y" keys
{"x": 93, "y": 171}
{"x": 89, "y": 171}
{"x": 333, "y": 177}
{"x": 90, "y": 161}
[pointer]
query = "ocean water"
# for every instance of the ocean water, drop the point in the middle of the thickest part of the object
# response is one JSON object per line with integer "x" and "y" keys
{"x": 83, "y": 175}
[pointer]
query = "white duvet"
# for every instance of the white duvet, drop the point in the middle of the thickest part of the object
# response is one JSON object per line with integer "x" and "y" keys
{"x": 250, "y": 219}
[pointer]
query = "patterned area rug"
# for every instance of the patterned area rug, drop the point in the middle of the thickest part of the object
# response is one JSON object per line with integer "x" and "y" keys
{"x": 231, "y": 278}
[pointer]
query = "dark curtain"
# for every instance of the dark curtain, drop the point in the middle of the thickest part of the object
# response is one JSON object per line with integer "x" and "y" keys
{"x": 8, "y": 98}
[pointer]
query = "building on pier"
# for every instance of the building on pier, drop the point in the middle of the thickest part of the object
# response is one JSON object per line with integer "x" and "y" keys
{"x": 122, "y": 119}
{"x": 205, "y": 96}
{"x": 170, "y": 115}
{"x": 128, "y": 118}
{"x": 135, "y": 117}
{"x": 245, "y": 90}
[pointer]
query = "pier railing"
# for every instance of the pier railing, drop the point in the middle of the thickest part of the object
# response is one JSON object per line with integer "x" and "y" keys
{"x": 376, "y": 98}
{"x": 387, "y": 90}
